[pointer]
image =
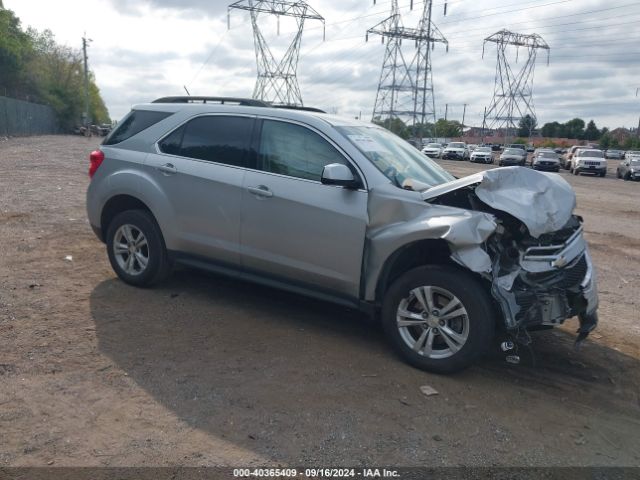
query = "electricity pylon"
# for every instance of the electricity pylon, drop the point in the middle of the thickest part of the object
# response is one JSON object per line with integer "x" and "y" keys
{"x": 513, "y": 90}
{"x": 277, "y": 82}
{"x": 405, "y": 89}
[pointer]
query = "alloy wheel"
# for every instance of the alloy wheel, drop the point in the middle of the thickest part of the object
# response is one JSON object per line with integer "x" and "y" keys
{"x": 433, "y": 322}
{"x": 131, "y": 249}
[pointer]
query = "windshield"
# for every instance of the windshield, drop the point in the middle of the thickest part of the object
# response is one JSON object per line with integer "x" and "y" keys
{"x": 482, "y": 149}
{"x": 434, "y": 145}
{"x": 548, "y": 155}
{"x": 590, "y": 153}
{"x": 513, "y": 151}
{"x": 396, "y": 159}
{"x": 635, "y": 161}
{"x": 633, "y": 153}
{"x": 456, "y": 145}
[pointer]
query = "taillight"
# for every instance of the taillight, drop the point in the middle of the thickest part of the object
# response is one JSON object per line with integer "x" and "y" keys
{"x": 95, "y": 160}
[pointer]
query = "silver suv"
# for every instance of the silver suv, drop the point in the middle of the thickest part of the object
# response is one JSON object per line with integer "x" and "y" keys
{"x": 343, "y": 211}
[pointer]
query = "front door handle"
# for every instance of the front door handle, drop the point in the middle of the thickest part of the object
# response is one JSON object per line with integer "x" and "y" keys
{"x": 168, "y": 169}
{"x": 261, "y": 191}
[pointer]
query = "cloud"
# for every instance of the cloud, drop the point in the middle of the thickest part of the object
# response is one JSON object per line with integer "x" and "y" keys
{"x": 152, "y": 48}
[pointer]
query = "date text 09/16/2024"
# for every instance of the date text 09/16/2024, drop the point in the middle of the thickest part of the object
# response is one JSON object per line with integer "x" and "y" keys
{"x": 315, "y": 473}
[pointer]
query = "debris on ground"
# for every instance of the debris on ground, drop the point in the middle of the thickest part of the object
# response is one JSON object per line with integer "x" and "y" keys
{"x": 428, "y": 391}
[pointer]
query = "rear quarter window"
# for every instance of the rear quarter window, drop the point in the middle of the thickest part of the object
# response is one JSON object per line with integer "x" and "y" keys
{"x": 135, "y": 122}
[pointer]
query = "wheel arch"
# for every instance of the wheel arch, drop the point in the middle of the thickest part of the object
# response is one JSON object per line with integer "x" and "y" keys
{"x": 414, "y": 254}
{"x": 118, "y": 204}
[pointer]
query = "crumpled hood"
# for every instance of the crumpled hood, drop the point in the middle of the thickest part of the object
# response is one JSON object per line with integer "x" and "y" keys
{"x": 542, "y": 201}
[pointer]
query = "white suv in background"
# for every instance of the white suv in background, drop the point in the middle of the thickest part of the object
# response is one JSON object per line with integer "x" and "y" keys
{"x": 433, "y": 150}
{"x": 456, "y": 151}
{"x": 589, "y": 160}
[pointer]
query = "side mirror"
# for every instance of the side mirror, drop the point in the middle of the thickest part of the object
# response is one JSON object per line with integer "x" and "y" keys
{"x": 338, "y": 174}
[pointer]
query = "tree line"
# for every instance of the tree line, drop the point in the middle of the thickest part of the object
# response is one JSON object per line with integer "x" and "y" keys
{"x": 34, "y": 67}
{"x": 575, "y": 129}
{"x": 442, "y": 128}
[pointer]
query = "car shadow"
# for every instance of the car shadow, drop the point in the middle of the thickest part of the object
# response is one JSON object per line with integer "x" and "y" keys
{"x": 300, "y": 380}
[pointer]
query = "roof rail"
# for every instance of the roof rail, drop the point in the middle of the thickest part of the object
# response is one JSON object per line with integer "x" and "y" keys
{"x": 299, "y": 107}
{"x": 249, "y": 102}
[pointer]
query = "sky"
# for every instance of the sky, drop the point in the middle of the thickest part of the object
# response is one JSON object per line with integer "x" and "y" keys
{"x": 145, "y": 49}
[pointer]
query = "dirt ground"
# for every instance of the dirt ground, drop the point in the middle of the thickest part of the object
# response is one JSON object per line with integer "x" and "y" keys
{"x": 204, "y": 370}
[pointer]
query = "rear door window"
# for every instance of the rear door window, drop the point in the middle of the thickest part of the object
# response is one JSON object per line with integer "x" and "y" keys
{"x": 135, "y": 122}
{"x": 220, "y": 139}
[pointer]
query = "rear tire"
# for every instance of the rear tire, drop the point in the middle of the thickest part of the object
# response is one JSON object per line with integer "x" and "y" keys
{"x": 454, "y": 334}
{"x": 136, "y": 248}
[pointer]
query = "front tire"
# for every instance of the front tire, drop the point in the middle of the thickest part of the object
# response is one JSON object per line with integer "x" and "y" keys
{"x": 438, "y": 318}
{"x": 136, "y": 248}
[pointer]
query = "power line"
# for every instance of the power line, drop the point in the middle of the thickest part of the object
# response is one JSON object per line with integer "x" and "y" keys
{"x": 213, "y": 51}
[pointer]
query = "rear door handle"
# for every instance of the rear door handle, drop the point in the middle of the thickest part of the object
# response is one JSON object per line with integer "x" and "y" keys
{"x": 261, "y": 191}
{"x": 168, "y": 169}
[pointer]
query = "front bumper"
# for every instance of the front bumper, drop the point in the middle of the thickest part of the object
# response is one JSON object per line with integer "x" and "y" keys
{"x": 548, "y": 166}
{"x": 453, "y": 156}
{"x": 590, "y": 169}
{"x": 550, "y": 284}
{"x": 511, "y": 161}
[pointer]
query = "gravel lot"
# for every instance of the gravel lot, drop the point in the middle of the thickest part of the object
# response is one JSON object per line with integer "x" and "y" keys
{"x": 204, "y": 370}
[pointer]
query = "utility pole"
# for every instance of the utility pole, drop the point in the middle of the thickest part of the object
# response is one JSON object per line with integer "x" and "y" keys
{"x": 638, "y": 130}
{"x": 87, "y": 123}
{"x": 464, "y": 111}
{"x": 484, "y": 123}
{"x": 446, "y": 111}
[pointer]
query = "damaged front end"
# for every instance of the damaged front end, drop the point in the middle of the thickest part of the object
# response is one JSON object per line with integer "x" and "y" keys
{"x": 540, "y": 269}
{"x": 544, "y": 281}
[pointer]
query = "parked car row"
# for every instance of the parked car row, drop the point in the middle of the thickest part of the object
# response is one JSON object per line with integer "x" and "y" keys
{"x": 578, "y": 159}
